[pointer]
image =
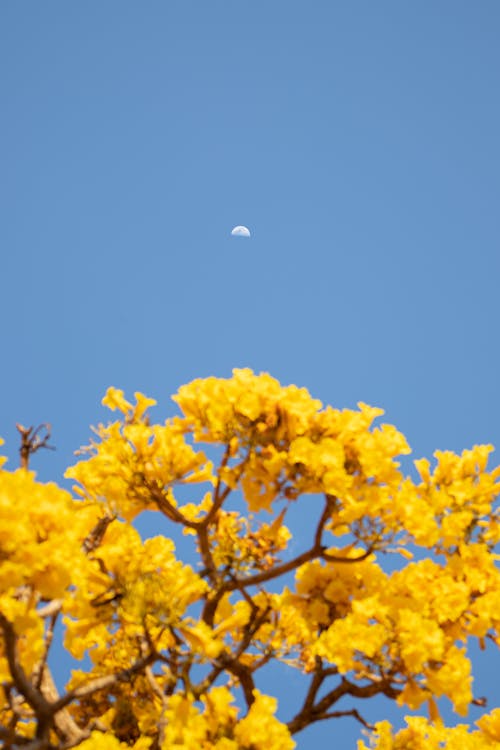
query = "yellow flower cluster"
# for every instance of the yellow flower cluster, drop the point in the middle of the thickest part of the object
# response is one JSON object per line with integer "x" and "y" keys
{"x": 421, "y": 734}
{"x": 133, "y": 459}
{"x": 171, "y": 644}
{"x": 291, "y": 445}
{"x": 213, "y": 725}
{"x": 238, "y": 545}
{"x": 410, "y": 623}
{"x": 132, "y": 585}
{"x": 41, "y": 532}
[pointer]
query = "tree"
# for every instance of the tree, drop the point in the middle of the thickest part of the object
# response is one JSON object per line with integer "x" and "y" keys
{"x": 174, "y": 652}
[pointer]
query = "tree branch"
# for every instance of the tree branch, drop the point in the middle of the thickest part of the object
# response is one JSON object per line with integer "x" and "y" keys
{"x": 330, "y": 501}
{"x": 310, "y": 710}
{"x": 65, "y": 726}
{"x": 32, "y": 439}
{"x": 101, "y": 683}
{"x": 33, "y": 696}
{"x": 11, "y": 738}
{"x": 316, "y": 682}
{"x": 166, "y": 507}
{"x": 49, "y": 636}
{"x": 316, "y": 551}
{"x": 95, "y": 537}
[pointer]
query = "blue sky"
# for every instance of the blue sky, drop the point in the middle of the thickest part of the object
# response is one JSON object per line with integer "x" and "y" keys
{"x": 357, "y": 140}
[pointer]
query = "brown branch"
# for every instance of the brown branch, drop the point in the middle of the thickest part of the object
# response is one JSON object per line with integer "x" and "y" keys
{"x": 309, "y": 710}
{"x": 33, "y": 696}
{"x": 16, "y": 704}
{"x": 169, "y": 510}
{"x": 38, "y": 698}
{"x": 206, "y": 554}
{"x": 228, "y": 661}
{"x": 218, "y": 502}
{"x": 267, "y": 575}
{"x": 49, "y": 708}
{"x": 333, "y": 558}
{"x": 312, "y": 712}
{"x": 316, "y": 551}
{"x": 316, "y": 682}
{"x": 101, "y": 683}
{"x": 279, "y": 570}
{"x": 49, "y": 637}
{"x": 218, "y": 498}
{"x": 243, "y": 675}
{"x": 32, "y": 439}
{"x": 383, "y": 686}
{"x": 95, "y": 537}
{"x": 65, "y": 726}
{"x": 330, "y": 501}
{"x": 202, "y": 526}
{"x": 11, "y": 738}
{"x": 343, "y": 688}
{"x": 50, "y": 609}
{"x": 162, "y": 723}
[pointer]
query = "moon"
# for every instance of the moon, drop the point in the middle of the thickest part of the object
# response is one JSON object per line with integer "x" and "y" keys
{"x": 240, "y": 231}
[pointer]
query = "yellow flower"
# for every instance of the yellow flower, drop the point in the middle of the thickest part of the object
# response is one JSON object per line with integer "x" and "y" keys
{"x": 490, "y": 725}
{"x": 260, "y": 729}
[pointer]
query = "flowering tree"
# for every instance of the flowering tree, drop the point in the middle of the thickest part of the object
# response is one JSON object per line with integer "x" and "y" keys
{"x": 174, "y": 651}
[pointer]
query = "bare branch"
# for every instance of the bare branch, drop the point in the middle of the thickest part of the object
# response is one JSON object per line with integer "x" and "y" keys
{"x": 32, "y": 439}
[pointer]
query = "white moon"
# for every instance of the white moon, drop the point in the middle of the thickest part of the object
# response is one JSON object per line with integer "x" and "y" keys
{"x": 240, "y": 232}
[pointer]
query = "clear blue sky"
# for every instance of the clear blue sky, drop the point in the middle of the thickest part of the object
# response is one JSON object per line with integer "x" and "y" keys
{"x": 358, "y": 140}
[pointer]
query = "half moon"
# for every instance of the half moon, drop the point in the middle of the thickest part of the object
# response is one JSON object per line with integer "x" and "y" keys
{"x": 240, "y": 232}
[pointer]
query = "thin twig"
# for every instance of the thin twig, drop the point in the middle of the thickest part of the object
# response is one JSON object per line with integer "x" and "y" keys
{"x": 351, "y": 712}
{"x": 32, "y": 439}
